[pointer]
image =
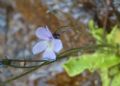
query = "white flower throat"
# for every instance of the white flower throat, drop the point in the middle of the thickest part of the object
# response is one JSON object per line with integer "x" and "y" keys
{"x": 50, "y": 44}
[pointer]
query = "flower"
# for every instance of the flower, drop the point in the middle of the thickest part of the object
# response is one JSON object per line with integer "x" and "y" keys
{"x": 47, "y": 44}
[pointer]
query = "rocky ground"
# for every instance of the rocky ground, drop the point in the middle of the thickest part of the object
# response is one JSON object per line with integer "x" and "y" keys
{"x": 19, "y": 20}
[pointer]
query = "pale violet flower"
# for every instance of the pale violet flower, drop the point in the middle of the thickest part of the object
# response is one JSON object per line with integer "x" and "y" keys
{"x": 47, "y": 44}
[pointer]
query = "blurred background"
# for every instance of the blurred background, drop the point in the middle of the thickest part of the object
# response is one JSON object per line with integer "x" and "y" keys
{"x": 19, "y": 20}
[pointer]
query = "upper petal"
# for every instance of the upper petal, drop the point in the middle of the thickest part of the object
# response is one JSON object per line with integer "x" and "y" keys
{"x": 43, "y": 33}
{"x": 39, "y": 47}
{"x": 49, "y": 55}
{"x": 57, "y": 45}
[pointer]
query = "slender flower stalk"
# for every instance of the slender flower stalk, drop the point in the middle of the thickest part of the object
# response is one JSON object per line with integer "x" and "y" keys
{"x": 62, "y": 55}
{"x": 66, "y": 53}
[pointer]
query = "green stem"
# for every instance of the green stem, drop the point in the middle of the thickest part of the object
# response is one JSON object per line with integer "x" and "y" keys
{"x": 25, "y": 73}
{"x": 60, "y": 56}
{"x": 8, "y": 62}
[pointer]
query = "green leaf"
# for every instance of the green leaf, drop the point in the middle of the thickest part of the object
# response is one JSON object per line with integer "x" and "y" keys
{"x": 114, "y": 70}
{"x": 98, "y": 60}
{"x": 96, "y": 32}
{"x": 91, "y": 25}
{"x": 116, "y": 80}
{"x": 114, "y": 37}
{"x": 104, "y": 77}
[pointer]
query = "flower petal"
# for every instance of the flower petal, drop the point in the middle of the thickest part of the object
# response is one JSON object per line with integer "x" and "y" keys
{"x": 49, "y": 55}
{"x": 39, "y": 47}
{"x": 43, "y": 33}
{"x": 57, "y": 43}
